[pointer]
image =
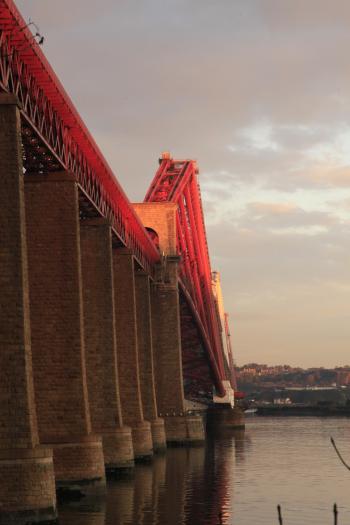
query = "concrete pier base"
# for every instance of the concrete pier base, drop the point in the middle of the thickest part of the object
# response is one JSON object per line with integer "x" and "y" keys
{"x": 184, "y": 430}
{"x": 118, "y": 449}
{"x": 158, "y": 435}
{"x": 142, "y": 441}
{"x": 27, "y": 489}
{"x": 223, "y": 416}
{"x": 79, "y": 465}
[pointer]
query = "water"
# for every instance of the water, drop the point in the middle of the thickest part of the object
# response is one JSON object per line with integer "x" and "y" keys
{"x": 242, "y": 475}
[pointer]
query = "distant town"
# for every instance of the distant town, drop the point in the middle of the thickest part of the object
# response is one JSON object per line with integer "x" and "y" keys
{"x": 254, "y": 374}
{"x": 284, "y": 384}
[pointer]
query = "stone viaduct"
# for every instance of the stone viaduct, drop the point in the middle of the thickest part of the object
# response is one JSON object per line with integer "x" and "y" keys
{"x": 110, "y": 333}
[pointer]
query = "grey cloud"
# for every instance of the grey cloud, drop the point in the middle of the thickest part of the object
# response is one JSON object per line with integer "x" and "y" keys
{"x": 281, "y": 216}
{"x": 190, "y": 77}
{"x": 291, "y": 293}
{"x": 153, "y": 71}
{"x": 259, "y": 257}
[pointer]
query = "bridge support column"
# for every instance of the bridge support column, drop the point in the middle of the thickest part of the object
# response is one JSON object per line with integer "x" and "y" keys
{"x": 181, "y": 428}
{"x": 127, "y": 352}
{"x": 145, "y": 354}
{"x": 223, "y": 416}
{"x": 100, "y": 344}
{"x": 27, "y": 486}
{"x": 57, "y": 332}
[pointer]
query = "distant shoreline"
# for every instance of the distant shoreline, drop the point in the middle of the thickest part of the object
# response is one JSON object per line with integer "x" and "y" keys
{"x": 305, "y": 410}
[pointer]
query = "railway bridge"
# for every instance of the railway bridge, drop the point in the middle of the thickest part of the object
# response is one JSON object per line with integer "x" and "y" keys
{"x": 112, "y": 332}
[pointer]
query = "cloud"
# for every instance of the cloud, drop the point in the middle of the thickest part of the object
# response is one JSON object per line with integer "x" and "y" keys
{"x": 258, "y": 93}
{"x": 290, "y": 293}
{"x": 257, "y": 138}
{"x": 273, "y": 208}
{"x": 279, "y": 217}
{"x": 324, "y": 175}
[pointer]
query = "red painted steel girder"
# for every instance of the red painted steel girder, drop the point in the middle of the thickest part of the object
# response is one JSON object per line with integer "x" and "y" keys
{"x": 204, "y": 337}
{"x": 55, "y": 137}
{"x": 176, "y": 181}
{"x": 233, "y": 378}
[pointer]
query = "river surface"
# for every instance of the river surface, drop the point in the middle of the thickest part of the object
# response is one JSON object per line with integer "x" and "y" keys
{"x": 242, "y": 476}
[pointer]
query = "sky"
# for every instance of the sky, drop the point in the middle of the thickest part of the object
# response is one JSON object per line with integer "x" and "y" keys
{"x": 258, "y": 92}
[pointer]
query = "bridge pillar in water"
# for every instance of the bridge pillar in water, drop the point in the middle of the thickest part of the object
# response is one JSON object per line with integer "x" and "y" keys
{"x": 58, "y": 333}
{"x": 127, "y": 352}
{"x": 181, "y": 427}
{"x": 27, "y": 485}
{"x": 221, "y": 417}
{"x": 145, "y": 355}
{"x": 101, "y": 346}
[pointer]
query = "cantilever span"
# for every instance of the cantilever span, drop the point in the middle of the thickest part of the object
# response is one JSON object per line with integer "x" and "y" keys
{"x": 111, "y": 320}
{"x": 176, "y": 182}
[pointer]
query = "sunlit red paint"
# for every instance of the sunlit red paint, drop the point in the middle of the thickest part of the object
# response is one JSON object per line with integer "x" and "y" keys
{"x": 55, "y": 138}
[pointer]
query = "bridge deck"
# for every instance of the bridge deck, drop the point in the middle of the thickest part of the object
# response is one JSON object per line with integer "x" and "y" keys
{"x": 54, "y": 135}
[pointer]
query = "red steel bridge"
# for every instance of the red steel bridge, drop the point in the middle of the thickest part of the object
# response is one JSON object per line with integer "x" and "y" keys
{"x": 55, "y": 138}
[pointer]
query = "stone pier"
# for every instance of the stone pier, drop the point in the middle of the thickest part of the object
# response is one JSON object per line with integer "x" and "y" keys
{"x": 223, "y": 416}
{"x": 27, "y": 486}
{"x": 127, "y": 350}
{"x": 101, "y": 344}
{"x": 145, "y": 355}
{"x": 56, "y": 313}
{"x": 180, "y": 427}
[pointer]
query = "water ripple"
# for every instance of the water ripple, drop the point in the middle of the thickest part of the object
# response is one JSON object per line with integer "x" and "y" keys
{"x": 238, "y": 479}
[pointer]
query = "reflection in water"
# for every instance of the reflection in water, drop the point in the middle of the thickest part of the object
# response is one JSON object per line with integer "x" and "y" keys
{"x": 142, "y": 504}
{"x": 184, "y": 486}
{"x": 174, "y": 499}
{"x": 119, "y": 502}
{"x": 238, "y": 476}
{"x": 241, "y": 442}
{"x": 159, "y": 477}
{"x": 83, "y": 514}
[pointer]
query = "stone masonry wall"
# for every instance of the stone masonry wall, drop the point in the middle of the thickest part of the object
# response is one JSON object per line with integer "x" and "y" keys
{"x": 17, "y": 412}
{"x": 99, "y": 322}
{"x": 56, "y": 307}
{"x": 145, "y": 344}
{"x": 125, "y": 311}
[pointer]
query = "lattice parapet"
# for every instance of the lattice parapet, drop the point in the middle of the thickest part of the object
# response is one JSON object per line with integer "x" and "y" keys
{"x": 54, "y": 136}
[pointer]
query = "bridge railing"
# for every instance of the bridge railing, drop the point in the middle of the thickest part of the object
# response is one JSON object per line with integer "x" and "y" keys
{"x": 55, "y": 137}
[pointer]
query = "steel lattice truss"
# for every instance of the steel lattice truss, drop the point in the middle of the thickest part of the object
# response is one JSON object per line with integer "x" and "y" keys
{"x": 54, "y": 136}
{"x": 176, "y": 181}
{"x": 229, "y": 347}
